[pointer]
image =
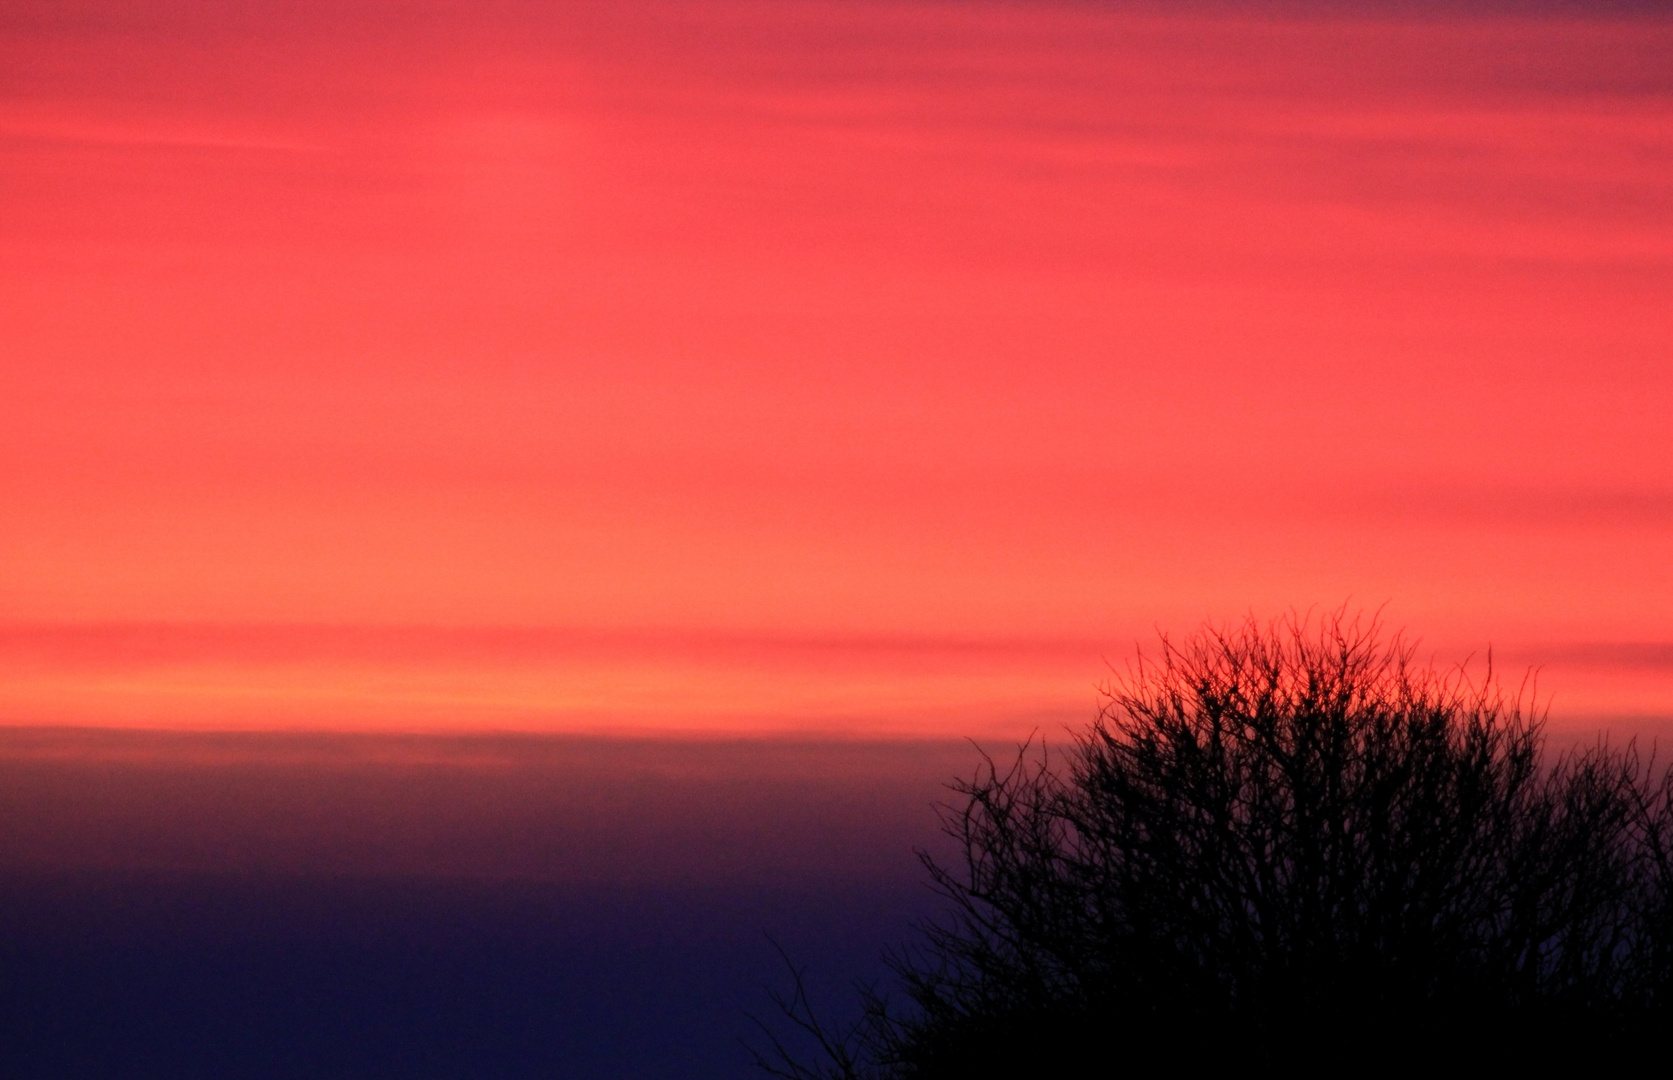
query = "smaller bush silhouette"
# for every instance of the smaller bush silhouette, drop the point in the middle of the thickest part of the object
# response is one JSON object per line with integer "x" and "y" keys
{"x": 1282, "y": 845}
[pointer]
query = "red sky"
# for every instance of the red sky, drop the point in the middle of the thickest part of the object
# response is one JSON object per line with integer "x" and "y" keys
{"x": 836, "y": 366}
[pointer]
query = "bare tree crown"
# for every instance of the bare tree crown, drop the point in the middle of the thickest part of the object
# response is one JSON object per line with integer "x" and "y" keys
{"x": 1279, "y": 843}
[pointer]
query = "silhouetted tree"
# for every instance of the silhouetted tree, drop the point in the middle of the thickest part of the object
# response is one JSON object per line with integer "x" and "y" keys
{"x": 1282, "y": 845}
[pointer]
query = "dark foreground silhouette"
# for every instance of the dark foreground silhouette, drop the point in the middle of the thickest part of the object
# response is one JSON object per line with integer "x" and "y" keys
{"x": 1282, "y": 845}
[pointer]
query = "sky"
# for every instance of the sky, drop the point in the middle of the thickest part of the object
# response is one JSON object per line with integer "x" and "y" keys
{"x": 862, "y": 367}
